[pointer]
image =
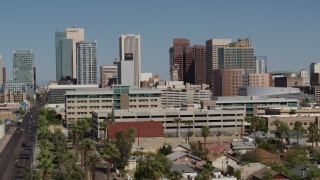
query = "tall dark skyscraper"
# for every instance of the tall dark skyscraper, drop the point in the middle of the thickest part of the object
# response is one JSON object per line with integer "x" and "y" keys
{"x": 187, "y": 61}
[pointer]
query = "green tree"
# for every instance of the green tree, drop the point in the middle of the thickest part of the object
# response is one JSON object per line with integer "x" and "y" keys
{"x": 175, "y": 175}
{"x": 294, "y": 157}
{"x": 104, "y": 125}
{"x": 83, "y": 125}
{"x": 109, "y": 153}
{"x": 189, "y": 123}
{"x": 94, "y": 161}
{"x": 281, "y": 128}
{"x": 237, "y": 173}
{"x": 124, "y": 140}
{"x": 205, "y": 132}
{"x": 153, "y": 168}
{"x": 86, "y": 146}
{"x": 254, "y": 125}
{"x": 166, "y": 149}
{"x": 177, "y": 121}
{"x": 298, "y": 127}
{"x": 45, "y": 163}
{"x": 41, "y": 121}
{"x": 206, "y": 171}
{"x": 313, "y": 134}
{"x": 44, "y": 133}
{"x": 313, "y": 173}
{"x": 45, "y": 144}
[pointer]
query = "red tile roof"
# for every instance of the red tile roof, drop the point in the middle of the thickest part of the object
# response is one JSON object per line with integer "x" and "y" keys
{"x": 143, "y": 128}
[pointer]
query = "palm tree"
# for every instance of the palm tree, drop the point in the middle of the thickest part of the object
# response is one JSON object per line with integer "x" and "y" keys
{"x": 205, "y": 131}
{"x": 175, "y": 175}
{"x": 87, "y": 145}
{"x": 189, "y": 123}
{"x": 108, "y": 153}
{"x": 313, "y": 128}
{"x": 178, "y": 121}
{"x": 43, "y": 133}
{"x": 131, "y": 135}
{"x": 254, "y": 125}
{"x": 281, "y": 127}
{"x": 94, "y": 161}
{"x": 45, "y": 145}
{"x": 206, "y": 171}
{"x": 298, "y": 127}
{"x": 45, "y": 163}
{"x": 104, "y": 125}
{"x": 83, "y": 126}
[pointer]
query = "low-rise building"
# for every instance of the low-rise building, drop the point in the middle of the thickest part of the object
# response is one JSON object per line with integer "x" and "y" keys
{"x": 184, "y": 158}
{"x": 246, "y": 171}
{"x": 224, "y": 121}
{"x": 254, "y": 105}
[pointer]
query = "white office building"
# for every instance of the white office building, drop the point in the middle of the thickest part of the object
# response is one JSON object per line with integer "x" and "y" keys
{"x": 86, "y": 62}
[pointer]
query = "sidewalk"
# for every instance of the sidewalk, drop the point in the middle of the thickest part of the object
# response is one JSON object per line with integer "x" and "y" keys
{"x": 6, "y": 139}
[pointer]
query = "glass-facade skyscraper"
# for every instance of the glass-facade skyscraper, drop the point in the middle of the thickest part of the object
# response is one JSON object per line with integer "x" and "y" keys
{"x": 65, "y": 44}
{"x": 23, "y": 69}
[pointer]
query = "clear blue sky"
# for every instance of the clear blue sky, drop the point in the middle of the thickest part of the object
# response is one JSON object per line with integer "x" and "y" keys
{"x": 287, "y": 31}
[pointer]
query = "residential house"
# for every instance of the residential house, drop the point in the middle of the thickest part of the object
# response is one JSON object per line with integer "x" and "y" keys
{"x": 302, "y": 170}
{"x": 265, "y": 156}
{"x": 246, "y": 171}
{"x": 187, "y": 171}
{"x": 183, "y": 147}
{"x": 184, "y": 158}
{"x": 302, "y": 142}
{"x": 221, "y": 161}
{"x": 265, "y": 173}
{"x": 264, "y": 135}
{"x": 242, "y": 147}
{"x": 219, "y": 176}
{"x": 219, "y": 148}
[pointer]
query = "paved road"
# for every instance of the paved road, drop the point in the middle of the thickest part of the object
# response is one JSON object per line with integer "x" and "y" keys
{"x": 17, "y": 156}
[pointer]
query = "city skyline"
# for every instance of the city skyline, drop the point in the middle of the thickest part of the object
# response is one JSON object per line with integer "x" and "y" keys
{"x": 285, "y": 31}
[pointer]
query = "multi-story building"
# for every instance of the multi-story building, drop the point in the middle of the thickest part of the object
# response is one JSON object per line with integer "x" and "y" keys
{"x": 238, "y": 55}
{"x": 130, "y": 50}
{"x": 173, "y": 96}
{"x": 11, "y": 97}
{"x": 315, "y": 74}
{"x": 86, "y": 62}
{"x": 317, "y": 94}
{"x": 187, "y": 63}
{"x": 4, "y": 75}
{"x": 223, "y": 121}
{"x": 288, "y": 81}
{"x": 305, "y": 77}
{"x": 23, "y": 69}
{"x": 254, "y": 105}
{"x": 65, "y": 44}
{"x": 227, "y": 81}
{"x": 1, "y": 70}
{"x": 126, "y": 74}
{"x": 306, "y": 120}
{"x": 261, "y": 64}
{"x": 260, "y": 80}
{"x": 80, "y": 103}
{"x": 56, "y": 93}
{"x": 107, "y": 72}
{"x": 212, "y": 57}
{"x": 15, "y": 86}
{"x": 200, "y": 64}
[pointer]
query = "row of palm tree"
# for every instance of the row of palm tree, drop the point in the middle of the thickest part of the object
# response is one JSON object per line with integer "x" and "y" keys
{"x": 178, "y": 121}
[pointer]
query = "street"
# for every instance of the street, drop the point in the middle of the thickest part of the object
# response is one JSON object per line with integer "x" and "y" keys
{"x": 17, "y": 157}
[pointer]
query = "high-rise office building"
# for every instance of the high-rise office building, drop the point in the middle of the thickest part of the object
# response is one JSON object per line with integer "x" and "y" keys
{"x": 4, "y": 75}
{"x": 212, "y": 57}
{"x": 187, "y": 63}
{"x": 23, "y": 69}
{"x": 86, "y": 62}
{"x": 107, "y": 73}
{"x": 1, "y": 70}
{"x": 261, "y": 64}
{"x": 65, "y": 43}
{"x": 178, "y": 58}
{"x": 130, "y": 50}
{"x": 200, "y": 65}
{"x": 315, "y": 74}
{"x": 238, "y": 55}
